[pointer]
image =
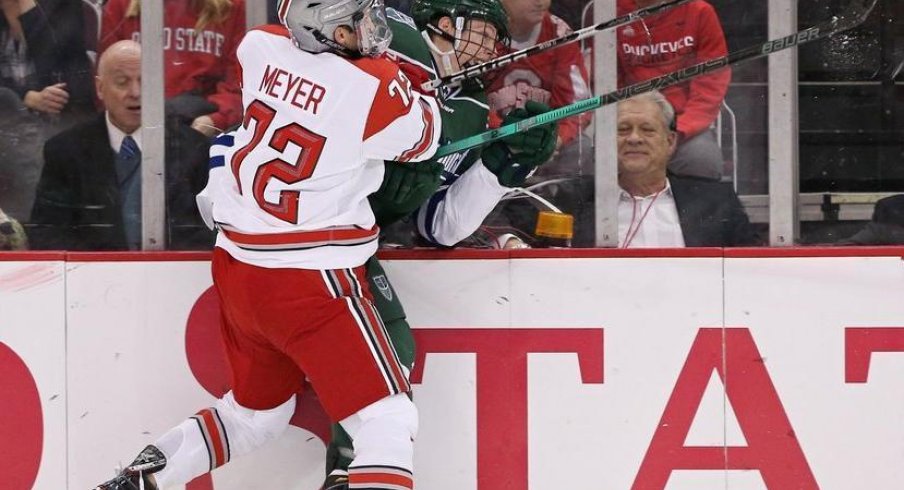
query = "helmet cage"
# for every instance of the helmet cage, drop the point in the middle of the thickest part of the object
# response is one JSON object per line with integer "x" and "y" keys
{"x": 465, "y": 43}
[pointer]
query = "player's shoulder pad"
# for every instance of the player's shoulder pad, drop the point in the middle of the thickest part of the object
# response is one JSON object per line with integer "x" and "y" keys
{"x": 407, "y": 41}
{"x": 275, "y": 29}
{"x": 267, "y": 34}
{"x": 380, "y": 68}
{"x": 271, "y": 31}
{"x": 397, "y": 17}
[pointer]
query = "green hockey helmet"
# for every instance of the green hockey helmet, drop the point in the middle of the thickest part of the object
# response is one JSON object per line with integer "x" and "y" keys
{"x": 427, "y": 12}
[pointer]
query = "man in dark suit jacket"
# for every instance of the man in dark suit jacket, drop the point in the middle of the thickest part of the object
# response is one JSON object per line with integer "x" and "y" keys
{"x": 886, "y": 227}
{"x": 89, "y": 198}
{"x": 711, "y": 214}
{"x": 661, "y": 210}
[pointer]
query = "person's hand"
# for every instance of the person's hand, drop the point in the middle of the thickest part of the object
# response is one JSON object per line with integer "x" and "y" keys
{"x": 204, "y": 125}
{"x": 405, "y": 187}
{"x": 51, "y": 100}
{"x": 515, "y": 158}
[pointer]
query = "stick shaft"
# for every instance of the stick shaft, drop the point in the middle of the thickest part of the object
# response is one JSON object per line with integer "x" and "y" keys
{"x": 837, "y": 24}
{"x": 496, "y": 63}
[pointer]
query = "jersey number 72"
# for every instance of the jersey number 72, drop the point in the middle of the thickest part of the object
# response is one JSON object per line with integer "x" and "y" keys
{"x": 311, "y": 144}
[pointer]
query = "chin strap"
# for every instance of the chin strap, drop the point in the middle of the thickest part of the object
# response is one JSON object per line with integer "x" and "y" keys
{"x": 444, "y": 57}
{"x": 336, "y": 47}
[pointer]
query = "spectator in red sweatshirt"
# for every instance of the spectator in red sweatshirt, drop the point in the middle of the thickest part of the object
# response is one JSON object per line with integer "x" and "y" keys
{"x": 556, "y": 78}
{"x": 201, "y": 70}
{"x": 679, "y": 37}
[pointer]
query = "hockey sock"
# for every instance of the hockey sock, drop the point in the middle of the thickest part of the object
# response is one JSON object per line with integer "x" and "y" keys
{"x": 383, "y": 435}
{"x": 215, "y": 435}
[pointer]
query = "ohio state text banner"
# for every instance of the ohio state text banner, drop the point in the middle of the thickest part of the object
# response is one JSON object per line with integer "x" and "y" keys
{"x": 599, "y": 373}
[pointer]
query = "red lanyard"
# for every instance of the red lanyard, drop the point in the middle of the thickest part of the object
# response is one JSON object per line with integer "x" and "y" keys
{"x": 629, "y": 236}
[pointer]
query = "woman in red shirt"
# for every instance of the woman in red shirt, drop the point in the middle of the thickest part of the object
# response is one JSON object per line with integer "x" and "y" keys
{"x": 200, "y": 37}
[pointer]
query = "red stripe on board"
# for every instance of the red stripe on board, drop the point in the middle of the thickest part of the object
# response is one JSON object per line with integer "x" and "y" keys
{"x": 545, "y": 253}
{"x": 484, "y": 254}
{"x": 791, "y": 252}
{"x": 138, "y": 256}
{"x": 31, "y": 256}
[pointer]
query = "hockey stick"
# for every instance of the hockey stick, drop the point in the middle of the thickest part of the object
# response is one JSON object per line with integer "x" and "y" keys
{"x": 854, "y": 16}
{"x": 476, "y": 70}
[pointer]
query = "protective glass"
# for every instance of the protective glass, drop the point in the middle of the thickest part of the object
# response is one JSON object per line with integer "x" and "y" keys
{"x": 373, "y": 30}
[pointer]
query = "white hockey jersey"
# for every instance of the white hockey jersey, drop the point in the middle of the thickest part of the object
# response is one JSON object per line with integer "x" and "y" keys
{"x": 292, "y": 191}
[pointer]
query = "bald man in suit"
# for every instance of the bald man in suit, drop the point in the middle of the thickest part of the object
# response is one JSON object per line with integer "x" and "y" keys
{"x": 89, "y": 195}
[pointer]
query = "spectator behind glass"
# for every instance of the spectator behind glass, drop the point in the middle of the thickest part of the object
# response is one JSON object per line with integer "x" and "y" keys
{"x": 43, "y": 58}
{"x": 656, "y": 209}
{"x": 886, "y": 226}
{"x": 89, "y": 195}
{"x": 199, "y": 38}
{"x": 679, "y": 37}
{"x": 45, "y": 86}
{"x": 556, "y": 78}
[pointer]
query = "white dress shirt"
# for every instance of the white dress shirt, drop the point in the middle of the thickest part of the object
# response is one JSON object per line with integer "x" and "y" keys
{"x": 117, "y": 135}
{"x": 649, "y": 221}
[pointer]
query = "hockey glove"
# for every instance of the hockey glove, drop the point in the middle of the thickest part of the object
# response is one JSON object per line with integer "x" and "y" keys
{"x": 405, "y": 187}
{"x": 515, "y": 158}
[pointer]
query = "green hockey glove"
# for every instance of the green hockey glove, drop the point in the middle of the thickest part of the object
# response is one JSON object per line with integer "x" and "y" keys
{"x": 405, "y": 187}
{"x": 515, "y": 158}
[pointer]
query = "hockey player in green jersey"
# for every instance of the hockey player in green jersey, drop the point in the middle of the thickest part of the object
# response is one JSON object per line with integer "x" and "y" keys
{"x": 451, "y": 197}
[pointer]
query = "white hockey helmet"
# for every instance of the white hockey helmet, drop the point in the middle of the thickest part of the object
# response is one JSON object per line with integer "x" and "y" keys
{"x": 313, "y": 22}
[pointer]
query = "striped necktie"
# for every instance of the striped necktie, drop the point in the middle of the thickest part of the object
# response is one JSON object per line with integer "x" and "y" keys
{"x": 128, "y": 176}
{"x": 127, "y": 160}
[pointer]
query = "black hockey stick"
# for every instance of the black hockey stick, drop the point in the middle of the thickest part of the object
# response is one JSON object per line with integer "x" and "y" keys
{"x": 477, "y": 70}
{"x": 854, "y": 16}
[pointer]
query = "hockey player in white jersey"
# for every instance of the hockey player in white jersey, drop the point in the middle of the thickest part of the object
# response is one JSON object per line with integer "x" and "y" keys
{"x": 290, "y": 202}
{"x": 315, "y": 132}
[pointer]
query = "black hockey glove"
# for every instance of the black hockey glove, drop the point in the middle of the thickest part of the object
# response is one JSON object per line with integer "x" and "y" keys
{"x": 405, "y": 187}
{"x": 515, "y": 158}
